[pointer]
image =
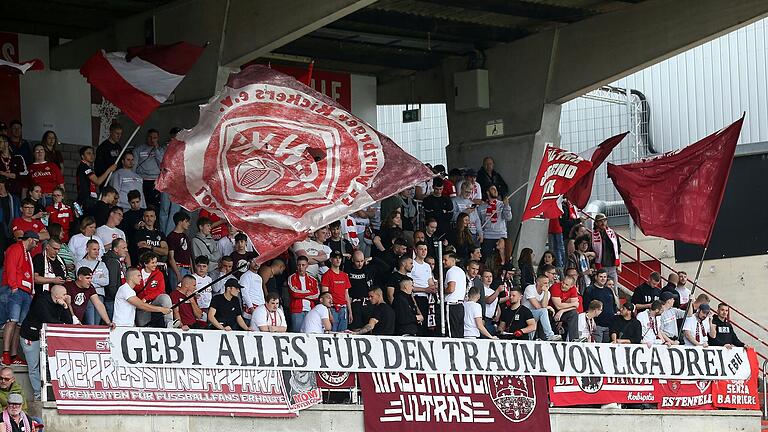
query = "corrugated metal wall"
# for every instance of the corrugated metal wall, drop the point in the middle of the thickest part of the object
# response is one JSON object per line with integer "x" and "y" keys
{"x": 426, "y": 139}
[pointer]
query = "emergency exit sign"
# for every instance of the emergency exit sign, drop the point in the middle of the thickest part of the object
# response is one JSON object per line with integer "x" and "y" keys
{"x": 411, "y": 115}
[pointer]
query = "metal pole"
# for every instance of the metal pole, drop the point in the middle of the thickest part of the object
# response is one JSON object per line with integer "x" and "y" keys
{"x": 43, "y": 365}
{"x": 681, "y": 336}
{"x": 125, "y": 147}
{"x": 441, "y": 281}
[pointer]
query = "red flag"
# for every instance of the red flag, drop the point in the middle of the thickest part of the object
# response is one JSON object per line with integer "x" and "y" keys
{"x": 677, "y": 195}
{"x": 306, "y": 78}
{"x": 137, "y": 82}
{"x": 11, "y": 68}
{"x": 582, "y": 190}
{"x": 558, "y": 172}
{"x": 280, "y": 160}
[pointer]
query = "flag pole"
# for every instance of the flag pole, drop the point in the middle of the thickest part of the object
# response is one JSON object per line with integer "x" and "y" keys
{"x": 122, "y": 152}
{"x": 688, "y": 307}
{"x": 201, "y": 289}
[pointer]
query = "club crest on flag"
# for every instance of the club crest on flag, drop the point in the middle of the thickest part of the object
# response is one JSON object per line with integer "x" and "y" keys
{"x": 514, "y": 396}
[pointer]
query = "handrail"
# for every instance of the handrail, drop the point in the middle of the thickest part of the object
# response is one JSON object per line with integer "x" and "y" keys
{"x": 641, "y": 264}
{"x": 765, "y": 387}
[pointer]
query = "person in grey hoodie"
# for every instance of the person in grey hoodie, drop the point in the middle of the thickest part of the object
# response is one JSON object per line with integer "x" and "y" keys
{"x": 494, "y": 214}
{"x": 99, "y": 275}
{"x": 204, "y": 245}
{"x": 125, "y": 180}
{"x": 148, "y": 158}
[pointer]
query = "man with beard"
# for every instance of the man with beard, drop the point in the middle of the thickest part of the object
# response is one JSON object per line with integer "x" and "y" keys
{"x": 361, "y": 277}
{"x": 404, "y": 266}
{"x": 407, "y": 315}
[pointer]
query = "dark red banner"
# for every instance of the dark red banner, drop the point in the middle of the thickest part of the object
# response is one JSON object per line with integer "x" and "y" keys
{"x": 679, "y": 394}
{"x": 335, "y": 85}
{"x": 396, "y": 402}
{"x": 558, "y": 172}
{"x": 10, "y": 109}
{"x": 740, "y": 394}
{"x": 569, "y": 391}
{"x": 336, "y": 380}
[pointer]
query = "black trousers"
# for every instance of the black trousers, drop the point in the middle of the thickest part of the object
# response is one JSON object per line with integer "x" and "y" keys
{"x": 456, "y": 320}
{"x": 151, "y": 195}
{"x": 430, "y": 310}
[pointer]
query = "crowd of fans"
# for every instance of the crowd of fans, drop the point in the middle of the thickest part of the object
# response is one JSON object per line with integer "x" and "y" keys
{"x": 123, "y": 255}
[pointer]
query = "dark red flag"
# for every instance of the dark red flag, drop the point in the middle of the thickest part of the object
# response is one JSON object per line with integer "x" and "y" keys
{"x": 280, "y": 160}
{"x": 582, "y": 190}
{"x": 677, "y": 195}
{"x": 558, "y": 172}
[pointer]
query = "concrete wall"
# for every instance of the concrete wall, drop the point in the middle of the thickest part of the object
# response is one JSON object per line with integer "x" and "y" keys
{"x": 349, "y": 418}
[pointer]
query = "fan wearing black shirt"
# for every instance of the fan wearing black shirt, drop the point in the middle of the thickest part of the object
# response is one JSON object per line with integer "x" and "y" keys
{"x": 361, "y": 276}
{"x": 407, "y": 315}
{"x": 339, "y": 244}
{"x": 48, "y": 266}
{"x": 101, "y": 209}
{"x": 404, "y": 266}
{"x": 626, "y": 328}
{"x": 438, "y": 207}
{"x": 379, "y": 316}
{"x": 648, "y": 292}
{"x": 147, "y": 237}
{"x": 132, "y": 216}
{"x": 516, "y": 321}
{"x": 241, "y": 257}
{"x": 108, "y": 151}
{"x": 225, "y": 311}
{"x": 723, "y": 330}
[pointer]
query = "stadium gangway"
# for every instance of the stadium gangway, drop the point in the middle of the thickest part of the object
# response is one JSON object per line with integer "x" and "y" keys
{"x": 759, "y": 342}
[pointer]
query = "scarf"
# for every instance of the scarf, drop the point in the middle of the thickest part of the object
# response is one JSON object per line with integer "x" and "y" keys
{"x": 597, "y": 245}
{"x": 8, "y": 425}
{"x": 490, "y": 211}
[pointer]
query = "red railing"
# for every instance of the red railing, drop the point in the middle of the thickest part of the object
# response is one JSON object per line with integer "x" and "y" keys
{"x": 697, "y": 289}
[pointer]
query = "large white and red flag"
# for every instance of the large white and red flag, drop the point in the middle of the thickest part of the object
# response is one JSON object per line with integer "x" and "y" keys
{"x": 558, "y": 172}
{"x": 139, "y": 80}
{"x": 281, "y": 160}
{"x": 11, "y": 68}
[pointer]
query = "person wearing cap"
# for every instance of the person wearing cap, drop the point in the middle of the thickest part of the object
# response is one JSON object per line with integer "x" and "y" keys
{"x": 15, "y": 419}
{"x": 18, "y": 278}
{"x": 697, "y": 327}
{"x": 487, "y": 177}
{"x": 337, "y": 283}
{"x": 607, "y": 247}
{"x": 126, "y": 301}
{"x": 476, "y": 193}
{"x": 669, "y": 315}
{"x": 225, "y": 312}
{"x": 625, "y": 328}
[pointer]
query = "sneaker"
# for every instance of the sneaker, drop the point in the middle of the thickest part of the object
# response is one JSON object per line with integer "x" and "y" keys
{"x": 555, "y": 338}
{"x": 18, "y": 361}
{"x": 6, "y": 358}
{"x": 611, "y": 406}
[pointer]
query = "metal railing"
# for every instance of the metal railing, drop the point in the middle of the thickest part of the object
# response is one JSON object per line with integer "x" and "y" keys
{"x": 637, "y": 258}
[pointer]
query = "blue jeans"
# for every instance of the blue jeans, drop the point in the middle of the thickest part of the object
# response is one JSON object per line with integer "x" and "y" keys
{"x": 172, "y": 281}
{"x": 90, "y": 314}
{"x": 18, "y": 305}
{"x": 542, "y": 318}
{"x": 297, "y": 321}
{"x": 558, "y": 248}
{"x": 32, "y": 354}
{"x": 5, "y": 294}
{"x": 109, "y": 305}
{"x": 339, "y": 319}
{"x": 167, "y": 210}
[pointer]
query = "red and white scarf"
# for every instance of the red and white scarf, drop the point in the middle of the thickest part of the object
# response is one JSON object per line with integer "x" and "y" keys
{"x": 490, "y": 211}
{"x": 597, "y": 245}
{"x": 8, "y": 425}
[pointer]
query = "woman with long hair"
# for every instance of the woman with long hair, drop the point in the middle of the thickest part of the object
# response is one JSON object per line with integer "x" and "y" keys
{"x": 46, "y": 174}
{"x": 498, "y": 259}
{"x": 12, "y": 168}
{"x": 576, "y": 231}
{"x": 525, "y": 265}
{"x": 391, "y": 228}
{"x": 460, "y": 237}
{"x": 51, "y": 144}
{"x": 548, "y": 257}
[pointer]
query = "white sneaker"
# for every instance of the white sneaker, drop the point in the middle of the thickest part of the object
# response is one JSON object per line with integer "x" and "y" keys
{"x": 555, "y": 338}
{"x": 611, "y": 406}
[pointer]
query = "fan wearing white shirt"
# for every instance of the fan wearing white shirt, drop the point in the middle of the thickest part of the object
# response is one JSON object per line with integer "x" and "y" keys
{"x": 474, "y": 326}
{"x": 253, "y": 293}
{"x": 697, "y": 327}
{"x": 77, "y": 244}
{"x": 318, "y": 320}
{"x": 108, "y": 232}
{"x": 203, "y": 280}
{"x": 455, "y": 291}
{"x": 269, "y": 318}
{"x": 650, "y": 324}
{"x": 586, "y": 321}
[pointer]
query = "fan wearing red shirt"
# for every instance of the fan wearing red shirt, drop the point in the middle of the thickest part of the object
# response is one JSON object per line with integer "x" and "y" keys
{"x": 565, "y": 298}
{"x": 188, "y": 313}
{"x": 152, "y": 289}
{"x": 46, "y": 174}
{"x": 26, "y": 223}
{"x": 337, "y": 283}
{"x": 60, "y": 213}
{"x": 219, "y": 227}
